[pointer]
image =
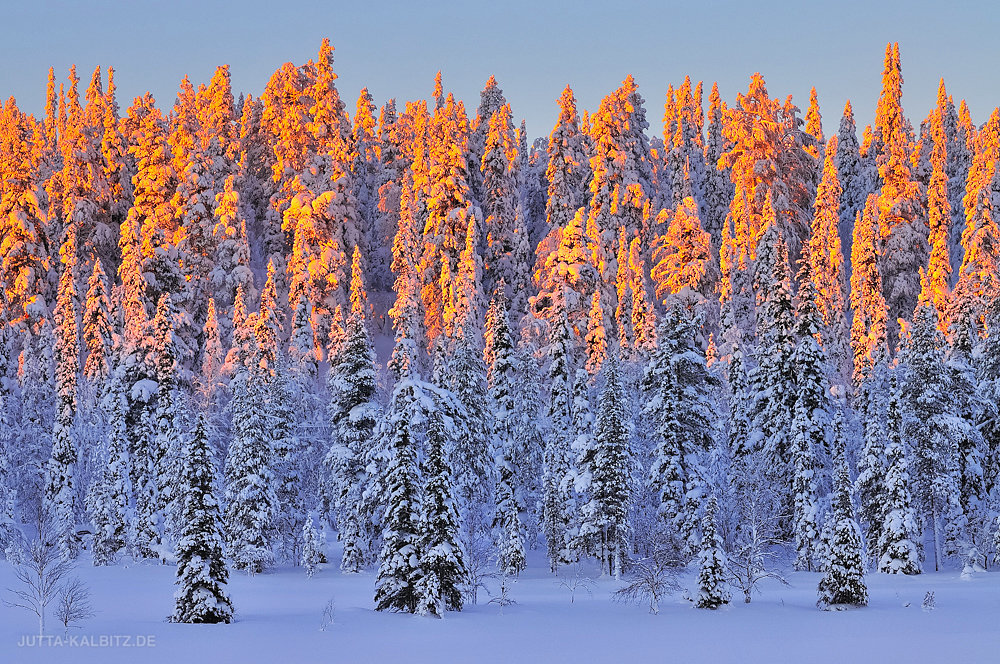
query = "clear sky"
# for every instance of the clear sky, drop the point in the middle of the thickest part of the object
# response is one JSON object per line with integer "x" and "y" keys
{"x": 533, "y": 47}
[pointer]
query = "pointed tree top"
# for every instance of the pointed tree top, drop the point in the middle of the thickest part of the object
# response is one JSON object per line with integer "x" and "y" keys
{"x": 325, "y": 57}
{"x": 67, "y": 252}
{"x": 942, "y": 95}
{"x": 95, "y": 90}
{"x": 240, "y": 307}
{"x": 358, "y": 296}
{"x": 926, "y": 289}
{"x": 714, "y": 100}
{"x": 438, "y": 91}
{"x": 212, "y": 317}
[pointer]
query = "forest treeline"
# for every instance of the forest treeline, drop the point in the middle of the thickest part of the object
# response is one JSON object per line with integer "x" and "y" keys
{"x": 731, "y": 335}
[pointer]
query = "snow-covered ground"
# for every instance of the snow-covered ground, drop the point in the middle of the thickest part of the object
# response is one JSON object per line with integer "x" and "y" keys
{"x": 279, "y": 616}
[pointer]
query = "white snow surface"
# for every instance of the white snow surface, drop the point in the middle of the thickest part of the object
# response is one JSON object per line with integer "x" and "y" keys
{"x": 278, "y": 618}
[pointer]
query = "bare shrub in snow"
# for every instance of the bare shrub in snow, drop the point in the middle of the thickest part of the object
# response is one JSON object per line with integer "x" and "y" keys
{"x": 752, "y": 558}
{"x": 73, "y": 605}
{"x": 651, "y": 579}
{"x": 503, "y": 599}
{"x": 477, "y": 554}
{"x": 328, "y": 612}
{"x": 577, "y": 581}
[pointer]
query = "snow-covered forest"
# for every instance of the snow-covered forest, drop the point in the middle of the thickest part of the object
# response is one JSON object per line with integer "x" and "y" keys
{"x": 413, "y": 349}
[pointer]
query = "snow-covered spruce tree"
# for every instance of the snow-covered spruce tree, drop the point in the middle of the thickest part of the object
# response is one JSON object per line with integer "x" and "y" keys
{"x": 968, "y": 463}
{"x": 556, "y": 508}
{"x": 491, "y": 102}
{"x": 853, "y": 189}
{"x": 810, "y": 420}
{"x": 843, "y": 582}
{"x": 32, "y": 447}
{"x": 977, "y": 285}
{"x": 739, "y": 416}
{"x": 231, "y": 267}
{"x": 826, "y": 262}
{"x": 201, "y": 569}
{"x": 805, "y": 517}
{"x": 811, "y": 359}
{"x": 471, "y": 456}
{"x": 711, "y": 562}
{"x": 869, "y": 483}
{"x": 466, "y": 377}
{"x": 25, "y": 240}
{"x": 288, "y": 462}
{"x": 450, "y": 216}
{"x": 596, "y": 339}
{"x": 353, "y": 413}
{"x": 774, "y": 377}
{"x": 501, "y": 384}
{"x": 577, "y": 482}
{"x": 168, "y": 416}
{"x": 624, "y": 293}
{"x": 309, "y": 437}
{"x": 959, "y": 130}
{"x": 250, "y": 498}
{"x": 643, "y": 322}
{"x": 60, "y": 492}
{"x": 678, "y": 413}
{"x": 134, "y": 377}
{"x": 311, "y": 553}
{"x": 621, "y": 182}
{"x": 761, "y": 131}
{"x": 684, "y": 168}
{"x": 718, "y": 187}
{"x": 9, "y": 532}
{"x": 506, "y": 258}
{"x": 266, "y": 326}
{"x": 107, "y": 500}
{"x": 928, "y": 422}
{"x": 971, "y": 450}
{"x": 567, "y": 276}
{"x": 814, "y": 127}
{"x": 529, "y": 441}
{"x": 938, "y": 217}
{"x": 869, "y": 326}
{"x": 399, "y": 562}
{"x": 440, "y": 557}
{"x": 608, "y": 465}
{"x": 900, "y": 545}
{"x": 510, "y": 541}
{"x": 683, "y": 266}
{"x": 373, "y": 167}
{"x": 567, "y": 173}
{"x": 987, "y": 362}
{"x": 98, "y": 340}
{"x": 902, "y": 222}
{"x": 97, "y": 334}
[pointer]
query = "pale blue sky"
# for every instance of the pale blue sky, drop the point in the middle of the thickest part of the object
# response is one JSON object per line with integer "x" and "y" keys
{"x": 533, "y": 47}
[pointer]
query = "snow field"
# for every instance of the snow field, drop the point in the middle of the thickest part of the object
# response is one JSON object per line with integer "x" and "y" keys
{"x": 278, "y": 618}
